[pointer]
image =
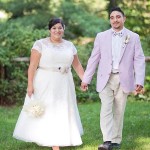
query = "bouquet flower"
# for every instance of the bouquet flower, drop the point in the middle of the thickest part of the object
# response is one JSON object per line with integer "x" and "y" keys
{"x": 34, "y": 108}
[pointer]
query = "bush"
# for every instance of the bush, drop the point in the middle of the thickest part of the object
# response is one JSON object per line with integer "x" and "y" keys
{"x": 16, "y": 41}
{"x": 12, "y": 89}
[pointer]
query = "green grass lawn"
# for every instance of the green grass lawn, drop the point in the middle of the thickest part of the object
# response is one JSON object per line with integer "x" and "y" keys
{"x": 136, "y": 133}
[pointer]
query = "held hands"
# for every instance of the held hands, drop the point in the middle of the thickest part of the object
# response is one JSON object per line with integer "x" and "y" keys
{"x": 139, "y": 90}
{"x": 84, "y": 86}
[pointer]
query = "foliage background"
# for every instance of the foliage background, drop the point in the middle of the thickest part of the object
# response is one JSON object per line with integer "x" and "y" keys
{"x": 27, "y": 20}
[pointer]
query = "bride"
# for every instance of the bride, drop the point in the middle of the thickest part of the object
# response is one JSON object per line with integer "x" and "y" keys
{"x": 50, "y": 81}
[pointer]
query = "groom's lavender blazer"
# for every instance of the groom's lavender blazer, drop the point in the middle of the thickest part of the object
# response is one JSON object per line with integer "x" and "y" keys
{"x": 131, "y": 66}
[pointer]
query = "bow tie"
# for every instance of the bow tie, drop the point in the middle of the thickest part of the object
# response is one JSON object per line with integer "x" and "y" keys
{"x": 118, "y": 33}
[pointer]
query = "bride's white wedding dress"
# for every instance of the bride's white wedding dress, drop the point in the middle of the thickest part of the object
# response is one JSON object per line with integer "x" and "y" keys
{"x": 60, "y": 125}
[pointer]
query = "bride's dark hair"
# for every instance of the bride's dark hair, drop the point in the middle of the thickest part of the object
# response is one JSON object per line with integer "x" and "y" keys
{"x": 54, "y": 21}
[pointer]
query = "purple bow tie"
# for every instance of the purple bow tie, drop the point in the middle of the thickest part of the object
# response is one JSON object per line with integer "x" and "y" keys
{"x": 118, "y": 33}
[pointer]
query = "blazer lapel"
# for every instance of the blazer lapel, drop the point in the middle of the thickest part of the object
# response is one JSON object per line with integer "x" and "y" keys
{"x": 109, "y": 38}
{"x": 123, "y": 48}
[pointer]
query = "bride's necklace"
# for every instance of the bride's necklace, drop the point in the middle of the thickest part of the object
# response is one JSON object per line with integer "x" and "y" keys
{"x": 56, "y": 42}
{"x": 57, "y": 45}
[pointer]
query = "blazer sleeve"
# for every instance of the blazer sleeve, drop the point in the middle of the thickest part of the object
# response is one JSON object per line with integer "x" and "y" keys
{"x": 93, "y": 61}
{"x": 139, "y": 63}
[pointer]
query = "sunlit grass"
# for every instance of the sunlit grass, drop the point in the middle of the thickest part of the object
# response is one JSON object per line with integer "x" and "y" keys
{"x": 143, "y": 142}
{"x": 136, "y": 133}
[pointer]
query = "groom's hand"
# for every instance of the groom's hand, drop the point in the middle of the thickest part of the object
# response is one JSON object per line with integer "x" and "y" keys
{"x": 139, "y": 90}
{"x": 84, "y": 86}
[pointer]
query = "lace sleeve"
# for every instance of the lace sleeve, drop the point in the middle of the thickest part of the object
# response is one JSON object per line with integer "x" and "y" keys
{"x": 37, "y": 46}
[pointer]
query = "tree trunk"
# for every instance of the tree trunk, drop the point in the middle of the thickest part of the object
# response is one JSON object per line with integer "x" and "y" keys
{"x": 2, "y": 72}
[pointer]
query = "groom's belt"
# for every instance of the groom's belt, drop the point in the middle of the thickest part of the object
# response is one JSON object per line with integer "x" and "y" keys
{"x": 115, "y": 71}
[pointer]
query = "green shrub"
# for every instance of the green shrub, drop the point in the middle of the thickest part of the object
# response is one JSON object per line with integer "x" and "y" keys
{"x": 16, "y": 41}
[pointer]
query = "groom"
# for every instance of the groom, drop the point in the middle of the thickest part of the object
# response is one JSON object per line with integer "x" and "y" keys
{"x": 121, "y": 70}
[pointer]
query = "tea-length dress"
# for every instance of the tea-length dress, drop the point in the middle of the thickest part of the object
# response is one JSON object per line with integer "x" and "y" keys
{"x": 60, "y": 125}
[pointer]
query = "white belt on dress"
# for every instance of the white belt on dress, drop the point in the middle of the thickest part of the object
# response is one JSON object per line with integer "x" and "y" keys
{"x": 62, "y": 69}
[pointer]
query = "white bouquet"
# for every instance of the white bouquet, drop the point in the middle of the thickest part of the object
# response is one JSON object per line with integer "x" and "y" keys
{"x": 34, "y": 108}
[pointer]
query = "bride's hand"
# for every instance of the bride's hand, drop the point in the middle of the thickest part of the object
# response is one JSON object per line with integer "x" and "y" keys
{"x": 30, "y": 90}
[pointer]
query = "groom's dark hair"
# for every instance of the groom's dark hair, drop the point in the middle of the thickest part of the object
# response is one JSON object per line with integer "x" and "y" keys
{"x": 116, "y": 9}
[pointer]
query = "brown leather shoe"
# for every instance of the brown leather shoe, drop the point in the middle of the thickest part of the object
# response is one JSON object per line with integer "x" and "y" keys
{"x": 105, "y": 146}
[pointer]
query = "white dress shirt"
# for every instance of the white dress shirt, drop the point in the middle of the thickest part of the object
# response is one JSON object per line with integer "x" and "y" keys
{"x": 117, "y": 39}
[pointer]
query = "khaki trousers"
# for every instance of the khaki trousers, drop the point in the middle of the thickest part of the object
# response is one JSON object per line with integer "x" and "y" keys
{"x": 113, "y": 101}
